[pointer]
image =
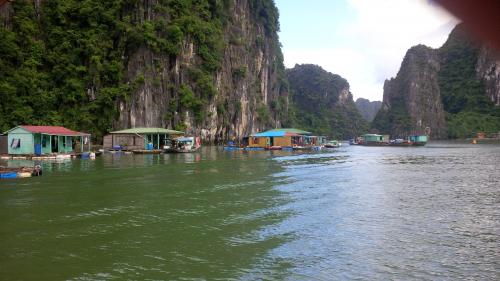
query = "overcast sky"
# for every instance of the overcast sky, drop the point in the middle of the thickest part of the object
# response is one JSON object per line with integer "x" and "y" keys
{"x": 363, "y": 41}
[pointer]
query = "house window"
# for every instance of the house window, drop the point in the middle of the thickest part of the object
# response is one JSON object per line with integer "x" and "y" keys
{"x": 16, "y": 143}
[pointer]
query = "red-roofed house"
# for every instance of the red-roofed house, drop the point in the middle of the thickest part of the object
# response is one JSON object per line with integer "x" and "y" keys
{"x": 38, "y": 140}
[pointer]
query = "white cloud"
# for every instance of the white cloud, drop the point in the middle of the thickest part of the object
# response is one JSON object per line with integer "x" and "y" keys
{"x": 371, "y": 45}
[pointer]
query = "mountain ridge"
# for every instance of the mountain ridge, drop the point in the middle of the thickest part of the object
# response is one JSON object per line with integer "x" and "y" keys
{"x": 322, "y": 102}
{"x": 368, "y": 109}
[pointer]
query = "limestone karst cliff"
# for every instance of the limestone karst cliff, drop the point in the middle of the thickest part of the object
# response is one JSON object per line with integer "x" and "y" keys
{"x": 213, "y": 68}
{"x": 412, "y": 100}
{"x": 451, "y": 92}
{"x": 244, "y": 93}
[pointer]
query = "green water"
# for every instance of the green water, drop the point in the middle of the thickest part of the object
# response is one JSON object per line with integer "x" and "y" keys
{"x": 369, "y": 213}
{"x": 147, "y": 216}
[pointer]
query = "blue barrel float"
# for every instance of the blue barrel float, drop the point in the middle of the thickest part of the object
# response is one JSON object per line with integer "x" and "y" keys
{"x": 150, "y": 146}
{"x": 11, "y": 175}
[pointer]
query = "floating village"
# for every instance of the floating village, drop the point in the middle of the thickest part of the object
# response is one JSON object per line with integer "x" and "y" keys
{"x": 58, "y": 143}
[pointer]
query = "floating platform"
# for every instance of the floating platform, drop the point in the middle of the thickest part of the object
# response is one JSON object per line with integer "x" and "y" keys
{"x": 50, "y": 157}
{"x": 145, "y": 151}
{"x": 20, "y": 172}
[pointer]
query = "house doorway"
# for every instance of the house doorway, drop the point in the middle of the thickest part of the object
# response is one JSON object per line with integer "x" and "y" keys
{"x": 54, "y": 140}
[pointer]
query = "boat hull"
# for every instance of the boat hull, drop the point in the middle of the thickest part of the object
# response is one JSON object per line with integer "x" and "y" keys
{"x": 375, "y": 144}
{"x": 330, "y": 146}
{"x": 273, "y": 148}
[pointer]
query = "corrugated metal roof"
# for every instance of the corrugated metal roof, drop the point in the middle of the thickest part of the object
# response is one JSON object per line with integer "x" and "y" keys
{"x": 148, "y": 131}
{"x": 275, "y": 134}
{"x": 52, "y": 130}
{"x": 291, "y": 130}
{"x": 281, "y": 133}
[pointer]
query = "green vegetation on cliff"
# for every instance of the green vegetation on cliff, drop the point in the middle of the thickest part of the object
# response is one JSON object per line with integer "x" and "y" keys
{"x": 395, "y": 120}
{"x": 321, "y": 103}
{"x": 463, "y": 95}
{"x": 65, "y": 62}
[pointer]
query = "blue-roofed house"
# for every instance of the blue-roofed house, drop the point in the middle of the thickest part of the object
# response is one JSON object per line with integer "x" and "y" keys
{"x": 287, "y": 137}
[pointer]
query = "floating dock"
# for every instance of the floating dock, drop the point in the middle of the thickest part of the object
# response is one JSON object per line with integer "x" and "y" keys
{"x": 20, "y": 172}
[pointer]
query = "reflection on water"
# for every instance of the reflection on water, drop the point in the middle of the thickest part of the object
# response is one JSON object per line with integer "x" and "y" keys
{"x": 385, "y": 213}
{"x": 352, "y": 213}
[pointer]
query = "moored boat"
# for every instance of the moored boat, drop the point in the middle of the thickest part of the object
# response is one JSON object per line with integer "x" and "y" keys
{"x": 400, "y": 142}
{"x": 332, "y": 144}
{"x": 274, "y": 147}
{"x": 184, "y": 145}
{"x": 356, "y": 141}
{"x": 300, "y": 147}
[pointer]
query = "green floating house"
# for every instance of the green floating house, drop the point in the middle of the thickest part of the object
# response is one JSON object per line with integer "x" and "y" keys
{"x": 139, "y": 138}
{"x": 44, "y": 140}
{"x": 375, "y": 139}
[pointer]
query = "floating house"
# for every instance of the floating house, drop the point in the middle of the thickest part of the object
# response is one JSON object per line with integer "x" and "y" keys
{"x": 139, "y": 138}
{"x": 287, "y": 137}
{"x": 375, "y": 139}
{"x": 43, "y": 140}
{"x": 418, "y": 140}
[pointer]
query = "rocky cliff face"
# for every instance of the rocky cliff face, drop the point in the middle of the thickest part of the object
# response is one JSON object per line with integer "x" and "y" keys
{"x": 412, "y": 100}
{"x": 212, "y": 68}
{"x": 447, "y": 92}
{"x": 488, "y": 70}
{"x": 368, "y": 109}
{"x": 247, "y": 90}
{"x": 322, "y": 102}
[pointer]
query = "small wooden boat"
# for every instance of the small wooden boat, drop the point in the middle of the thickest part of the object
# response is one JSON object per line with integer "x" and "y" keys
{"x": 20, "y": 172}
{"x": 184, "y": 145}
{"x": 356, "y": 141}
{"x": 274, "y": 147}
{"x": 300, "y": 147}
{"x": 332, "y": 144}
